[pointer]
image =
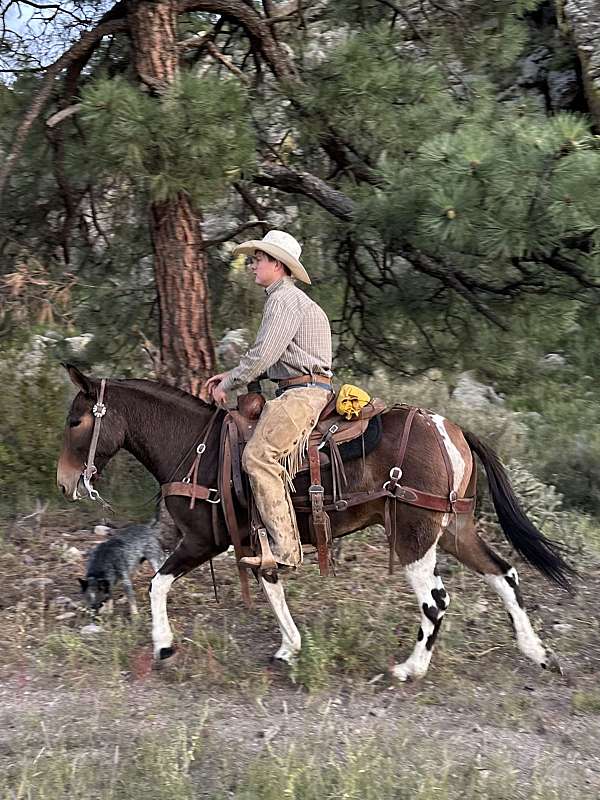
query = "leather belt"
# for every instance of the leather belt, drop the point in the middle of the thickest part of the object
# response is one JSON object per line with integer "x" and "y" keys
{"x": 304, "y": 380}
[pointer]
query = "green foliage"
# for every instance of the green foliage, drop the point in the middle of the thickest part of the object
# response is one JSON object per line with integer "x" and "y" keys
{"x": 383, "y": 109}
{"x": 355, "y": 641}
{"x": 193, "y": 140}
{"x": 32, "y": 408}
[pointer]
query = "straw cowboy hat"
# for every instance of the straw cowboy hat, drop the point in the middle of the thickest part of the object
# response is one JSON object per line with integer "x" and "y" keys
{"x": 281, "y": 246}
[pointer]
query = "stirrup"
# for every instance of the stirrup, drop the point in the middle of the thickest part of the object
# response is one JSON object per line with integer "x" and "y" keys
{"x": 266, "y": 561}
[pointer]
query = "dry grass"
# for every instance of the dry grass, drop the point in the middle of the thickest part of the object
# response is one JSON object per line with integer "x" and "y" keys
{"x": 96, "y": 721}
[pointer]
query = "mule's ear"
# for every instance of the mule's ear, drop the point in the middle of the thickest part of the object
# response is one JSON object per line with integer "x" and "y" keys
{"x": 83, "y": 583}
{"x": 81, "y": 381}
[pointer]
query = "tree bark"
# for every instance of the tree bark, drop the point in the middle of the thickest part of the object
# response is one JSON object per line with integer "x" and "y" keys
{"x": 180, "y": 263}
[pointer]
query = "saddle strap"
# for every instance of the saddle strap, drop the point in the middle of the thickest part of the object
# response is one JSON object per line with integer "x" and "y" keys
{"x": 321, "y": 522}
{"x": 236, "y": 462}
{"x": 192, "y": 490}
{"x": 231, "y": 521}
{"x": 412, "y": 497}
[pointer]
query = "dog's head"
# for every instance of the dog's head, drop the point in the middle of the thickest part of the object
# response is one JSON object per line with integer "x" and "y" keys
{"x": 96, "y": 591}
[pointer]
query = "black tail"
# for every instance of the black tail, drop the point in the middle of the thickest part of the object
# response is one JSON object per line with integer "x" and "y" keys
{"x": 533, "y": 546}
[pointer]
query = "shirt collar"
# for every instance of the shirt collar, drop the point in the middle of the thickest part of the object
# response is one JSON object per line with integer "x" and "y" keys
{"x": 281, "y": 282}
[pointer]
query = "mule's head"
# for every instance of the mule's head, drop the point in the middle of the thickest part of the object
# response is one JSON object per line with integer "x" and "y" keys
{"x": 78, "y": 434}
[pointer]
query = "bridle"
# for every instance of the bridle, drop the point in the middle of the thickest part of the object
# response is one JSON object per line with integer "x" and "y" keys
{"x": 99, "y": 410}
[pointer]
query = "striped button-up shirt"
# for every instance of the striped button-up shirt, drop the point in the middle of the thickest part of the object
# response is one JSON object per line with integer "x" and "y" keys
{"x": 294, "y": 339}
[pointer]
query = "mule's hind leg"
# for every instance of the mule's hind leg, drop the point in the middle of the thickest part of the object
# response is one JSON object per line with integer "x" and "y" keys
{"x": 470, "y": 549}
{"x": 433, "y": 602}
{"x": 290, "y": 635}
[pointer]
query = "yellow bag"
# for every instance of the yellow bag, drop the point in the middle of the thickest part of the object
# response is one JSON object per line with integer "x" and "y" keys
{"x": 350, "y": 400}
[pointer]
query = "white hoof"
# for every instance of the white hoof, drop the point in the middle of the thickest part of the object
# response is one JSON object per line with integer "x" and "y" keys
{"x": 285, "y": 654}
{"x": 407, "y": 671}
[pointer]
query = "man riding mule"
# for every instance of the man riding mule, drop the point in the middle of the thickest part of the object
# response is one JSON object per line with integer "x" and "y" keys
{"x": 293, "y": 347}
{"x": 418, "y": 481}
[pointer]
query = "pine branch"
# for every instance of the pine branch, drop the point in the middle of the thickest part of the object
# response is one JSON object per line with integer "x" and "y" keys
{"x": 231, "y": 233}
{"x": 567, "y": 267}
{"x": 307, "y": 184}
{"x": 79, "y": 50}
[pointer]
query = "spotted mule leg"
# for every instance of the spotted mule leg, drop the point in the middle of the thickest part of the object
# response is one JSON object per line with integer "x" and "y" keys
{"x": 529, "y": 643}
{"x": 433, "y": 602}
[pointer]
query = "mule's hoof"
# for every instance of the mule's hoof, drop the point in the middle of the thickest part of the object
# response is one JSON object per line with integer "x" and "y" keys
{"x": 403, "y": 673}
{"x": 284, "y": 656}
{"x": 552, "y": 664}
{"x": 166, "y": 657}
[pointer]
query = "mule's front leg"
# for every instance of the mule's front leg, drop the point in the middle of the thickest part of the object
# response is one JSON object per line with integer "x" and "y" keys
{"x": 433, "y": 602}
{"x": 290, "y": 635}
{"x": 162, "y": 635}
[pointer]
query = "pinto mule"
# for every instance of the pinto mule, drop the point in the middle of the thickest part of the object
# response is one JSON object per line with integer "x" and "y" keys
{"x": 162, "y": 426}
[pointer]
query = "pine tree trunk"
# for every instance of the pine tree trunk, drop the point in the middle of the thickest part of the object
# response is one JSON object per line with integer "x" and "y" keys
{"x": 180, "y": 263}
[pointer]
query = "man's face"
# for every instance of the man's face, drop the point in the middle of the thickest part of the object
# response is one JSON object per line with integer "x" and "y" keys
{"x": 266, "y": 270}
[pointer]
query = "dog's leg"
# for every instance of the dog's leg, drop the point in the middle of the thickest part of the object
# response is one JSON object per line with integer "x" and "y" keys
{"x": 108, "y": 607}
{"x": 290, "y": 636}
{"x": 129, "y": 591}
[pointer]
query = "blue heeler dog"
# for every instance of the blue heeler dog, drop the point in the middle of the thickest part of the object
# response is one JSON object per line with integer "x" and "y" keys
{"x": 116, "y": 559}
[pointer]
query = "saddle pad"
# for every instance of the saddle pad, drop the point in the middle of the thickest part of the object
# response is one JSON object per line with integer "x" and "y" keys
{"x": 372, "y": 436}
{"x": 355, "y": 448}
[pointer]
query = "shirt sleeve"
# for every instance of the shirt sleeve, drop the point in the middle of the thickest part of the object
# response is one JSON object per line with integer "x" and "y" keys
{"x": 279, "y": 325}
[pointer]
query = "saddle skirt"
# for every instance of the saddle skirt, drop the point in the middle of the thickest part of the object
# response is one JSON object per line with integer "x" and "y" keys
{"x": 331, "y": 427}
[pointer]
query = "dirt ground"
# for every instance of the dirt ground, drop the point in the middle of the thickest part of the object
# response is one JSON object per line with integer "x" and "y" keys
{"x": 484, "y": 715}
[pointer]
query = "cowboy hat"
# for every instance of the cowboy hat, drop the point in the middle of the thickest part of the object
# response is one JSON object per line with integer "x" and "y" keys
{"x": 279, "y": 245}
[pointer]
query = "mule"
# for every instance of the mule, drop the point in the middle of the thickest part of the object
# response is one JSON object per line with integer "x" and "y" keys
{"x": 161, "y": 426}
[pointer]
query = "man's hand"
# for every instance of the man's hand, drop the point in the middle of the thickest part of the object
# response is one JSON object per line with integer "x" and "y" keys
{"x": 212, "y": 386}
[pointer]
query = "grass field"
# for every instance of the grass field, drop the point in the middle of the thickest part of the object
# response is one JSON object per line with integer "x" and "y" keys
{"x": 83, "y": 714}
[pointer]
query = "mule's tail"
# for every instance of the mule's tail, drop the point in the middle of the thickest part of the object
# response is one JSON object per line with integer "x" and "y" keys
{"x": 533, "y": 546}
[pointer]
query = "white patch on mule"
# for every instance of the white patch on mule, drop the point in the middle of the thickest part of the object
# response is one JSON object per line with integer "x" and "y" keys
{"x": 457, "y": 461}
{"x": 162, "y": 635}
{"x": 291, "y": 641}
{"x": 527, "y": 639}
{"x": 420, "y": 575}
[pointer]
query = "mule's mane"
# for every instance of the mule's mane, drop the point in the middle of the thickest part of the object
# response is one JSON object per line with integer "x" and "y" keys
{"x": 164, "y": 392}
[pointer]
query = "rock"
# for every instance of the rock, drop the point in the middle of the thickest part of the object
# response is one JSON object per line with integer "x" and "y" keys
{"x": 63, "y": 600}
{"x": 470, "y": 392}
{"x": 553, "y": 361}
{"x": 269, "y": 733}
{"x": 533, "y": 66}
{"x": 233, "y": 345}
{"x": 562, "y": 627}
{"x": 91, "y": 629}
{"x": 72, "y": 554}
{"x": 102, "y": 530}
{"x": 582, "y": 18}
{"x": 563, "y": 88}
{"x": 37, "y": 581}
{"x": 78, "y": 344}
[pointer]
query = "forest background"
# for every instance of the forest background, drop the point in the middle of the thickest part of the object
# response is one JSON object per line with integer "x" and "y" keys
{"x": 440, "y": 163}
{"x": 441, "y": 168}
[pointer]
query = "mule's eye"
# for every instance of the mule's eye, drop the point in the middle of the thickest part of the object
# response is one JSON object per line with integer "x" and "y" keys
{"x": 73, "y": 423}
